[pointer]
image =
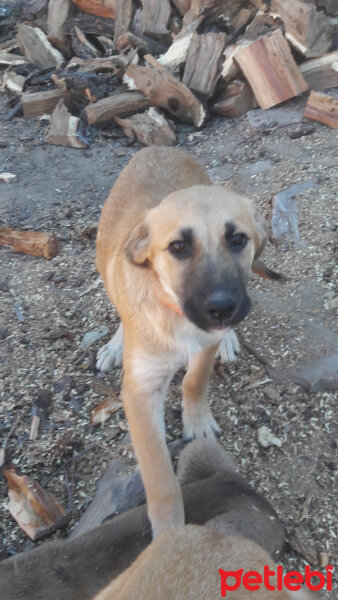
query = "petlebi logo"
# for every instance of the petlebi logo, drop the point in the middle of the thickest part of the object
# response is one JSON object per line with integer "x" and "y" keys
{"x": 276, "y": 580}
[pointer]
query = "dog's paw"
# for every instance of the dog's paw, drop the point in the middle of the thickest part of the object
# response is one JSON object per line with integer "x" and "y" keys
{"x": 200, "y": 425}
{"x": 229, "y": 347}
{"x": 110, "y": 355}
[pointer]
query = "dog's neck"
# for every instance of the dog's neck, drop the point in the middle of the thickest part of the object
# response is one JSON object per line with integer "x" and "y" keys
{"x": 167, "y": 301}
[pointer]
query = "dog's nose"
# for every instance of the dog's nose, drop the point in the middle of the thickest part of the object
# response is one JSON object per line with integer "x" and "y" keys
{"x": 220, "y": 306}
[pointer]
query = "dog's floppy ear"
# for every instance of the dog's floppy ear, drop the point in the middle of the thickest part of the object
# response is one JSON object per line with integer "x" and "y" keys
{"x": 261, "y": 237}
{"x": 137, "y": 245}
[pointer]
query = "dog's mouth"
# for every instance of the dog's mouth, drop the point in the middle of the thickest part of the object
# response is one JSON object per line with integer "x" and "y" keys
{"x": 220, "y": 311}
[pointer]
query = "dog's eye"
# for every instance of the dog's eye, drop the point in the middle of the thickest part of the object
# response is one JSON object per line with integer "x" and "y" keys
{"x": 176, "y": 247}
{"x": 238, "y": 241}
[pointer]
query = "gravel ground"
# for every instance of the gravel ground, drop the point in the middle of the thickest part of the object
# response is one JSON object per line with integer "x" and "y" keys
{"x": 291, "y": 324}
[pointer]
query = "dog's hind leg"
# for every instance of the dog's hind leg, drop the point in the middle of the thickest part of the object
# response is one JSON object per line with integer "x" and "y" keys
{"x": 110, "y": 355}
{"x": 198, "y": 421}
{"x": 229, "y": 348}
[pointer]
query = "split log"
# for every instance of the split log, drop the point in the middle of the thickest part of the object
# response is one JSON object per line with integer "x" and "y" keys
{"x": 242, "y": 18}
{"x": 57, "y": 15}
{"x": 38, "y": 48}
{"x": 262, "y": 24}
{"x": 177, "y": 53}
{"x": 63, "y": 128}
{"x": 155, "y": 17}
{"x": 269, "y": 67}
{"x": 149, "y": 128}
{"x": 40, "y": 103}
{"x": 203, "y": 66}
{"x": 35, "y": 509}
{"x": 230, "y": 69}
{"x": 235, "y": 101}
{"x": 165, "y": 91}
{"x": 41, "y": 244}
{"x": 101, "y": 8}
{"x": 306, "y": 29}
{"x": 13, "y": 60}
{"x": 323, "y": 108}
{"x": 118, "y": 104}
{"x": 124, "y": 15}
{"x": 321, "y": 73}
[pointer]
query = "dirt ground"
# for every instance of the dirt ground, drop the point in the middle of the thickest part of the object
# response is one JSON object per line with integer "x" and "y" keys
{"x": 291, "y": 324}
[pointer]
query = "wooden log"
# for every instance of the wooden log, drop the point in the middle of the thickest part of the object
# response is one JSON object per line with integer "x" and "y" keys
{"x": 235, "y": 101}
{"x": 155, "y": 17}
{"x": 307, "y": 29}
{"x": 269, "y": 67}
{"x": 150, "y": 128}
{"x": 203, "y": 66}
{"x": 38, "y": 48}
{"x": 124, "y": 14}
{"x": 101, "y": 8}
{"x": 230, "y": 69}
{"x": 165, "y": 91}
{"x": 118, "y": 104}
{"x": 323, "y": 108}
{"x": 57, "y": 15}
{"x": 41, "y": 244}
{"x": 242, "y": 18}
{"x": 63, "y": 128}
{"x": 35, "y": 509}
{"x": 40, "y": 103}
{"x": 321, "y": 73}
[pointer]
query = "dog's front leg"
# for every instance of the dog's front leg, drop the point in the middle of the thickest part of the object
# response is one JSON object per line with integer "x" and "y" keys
{"x": 198, "y": 421}
{"x": 144, "y": 390}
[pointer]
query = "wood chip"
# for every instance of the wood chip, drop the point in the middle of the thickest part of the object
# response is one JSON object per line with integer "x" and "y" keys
{"x": 38, "y": 48}
{"x": 149, "y": 128}
{"x": 271, "y": 70}
{"x": 36, "y": 243}
{"x": 323, "y": 108}
{"x": 63, "y": 128}
{"x": 104, "y": 411}
{"x": 35, "y": 509}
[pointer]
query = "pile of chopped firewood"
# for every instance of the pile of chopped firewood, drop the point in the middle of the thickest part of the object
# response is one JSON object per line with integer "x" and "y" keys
{"x": 91, "y": 63}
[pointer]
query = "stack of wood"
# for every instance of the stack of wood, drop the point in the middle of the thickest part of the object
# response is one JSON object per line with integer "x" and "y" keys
{"x": 93, "y": 62}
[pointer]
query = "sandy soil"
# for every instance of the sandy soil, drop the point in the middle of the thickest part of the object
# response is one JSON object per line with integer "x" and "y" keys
{"x": 62, "y": 190}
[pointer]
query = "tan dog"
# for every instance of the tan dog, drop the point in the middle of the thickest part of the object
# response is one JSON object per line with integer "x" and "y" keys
{"x": 184, "y": 565}
{"x": 175, "y": 254}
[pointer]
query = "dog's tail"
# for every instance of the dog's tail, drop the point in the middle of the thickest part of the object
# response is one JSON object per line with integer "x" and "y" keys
{"x": 202, "y": 458}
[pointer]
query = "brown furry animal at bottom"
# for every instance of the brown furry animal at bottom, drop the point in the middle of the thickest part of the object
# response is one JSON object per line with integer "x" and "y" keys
{"x": 214, "y": 493}
{"x": 184, "y": 565}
